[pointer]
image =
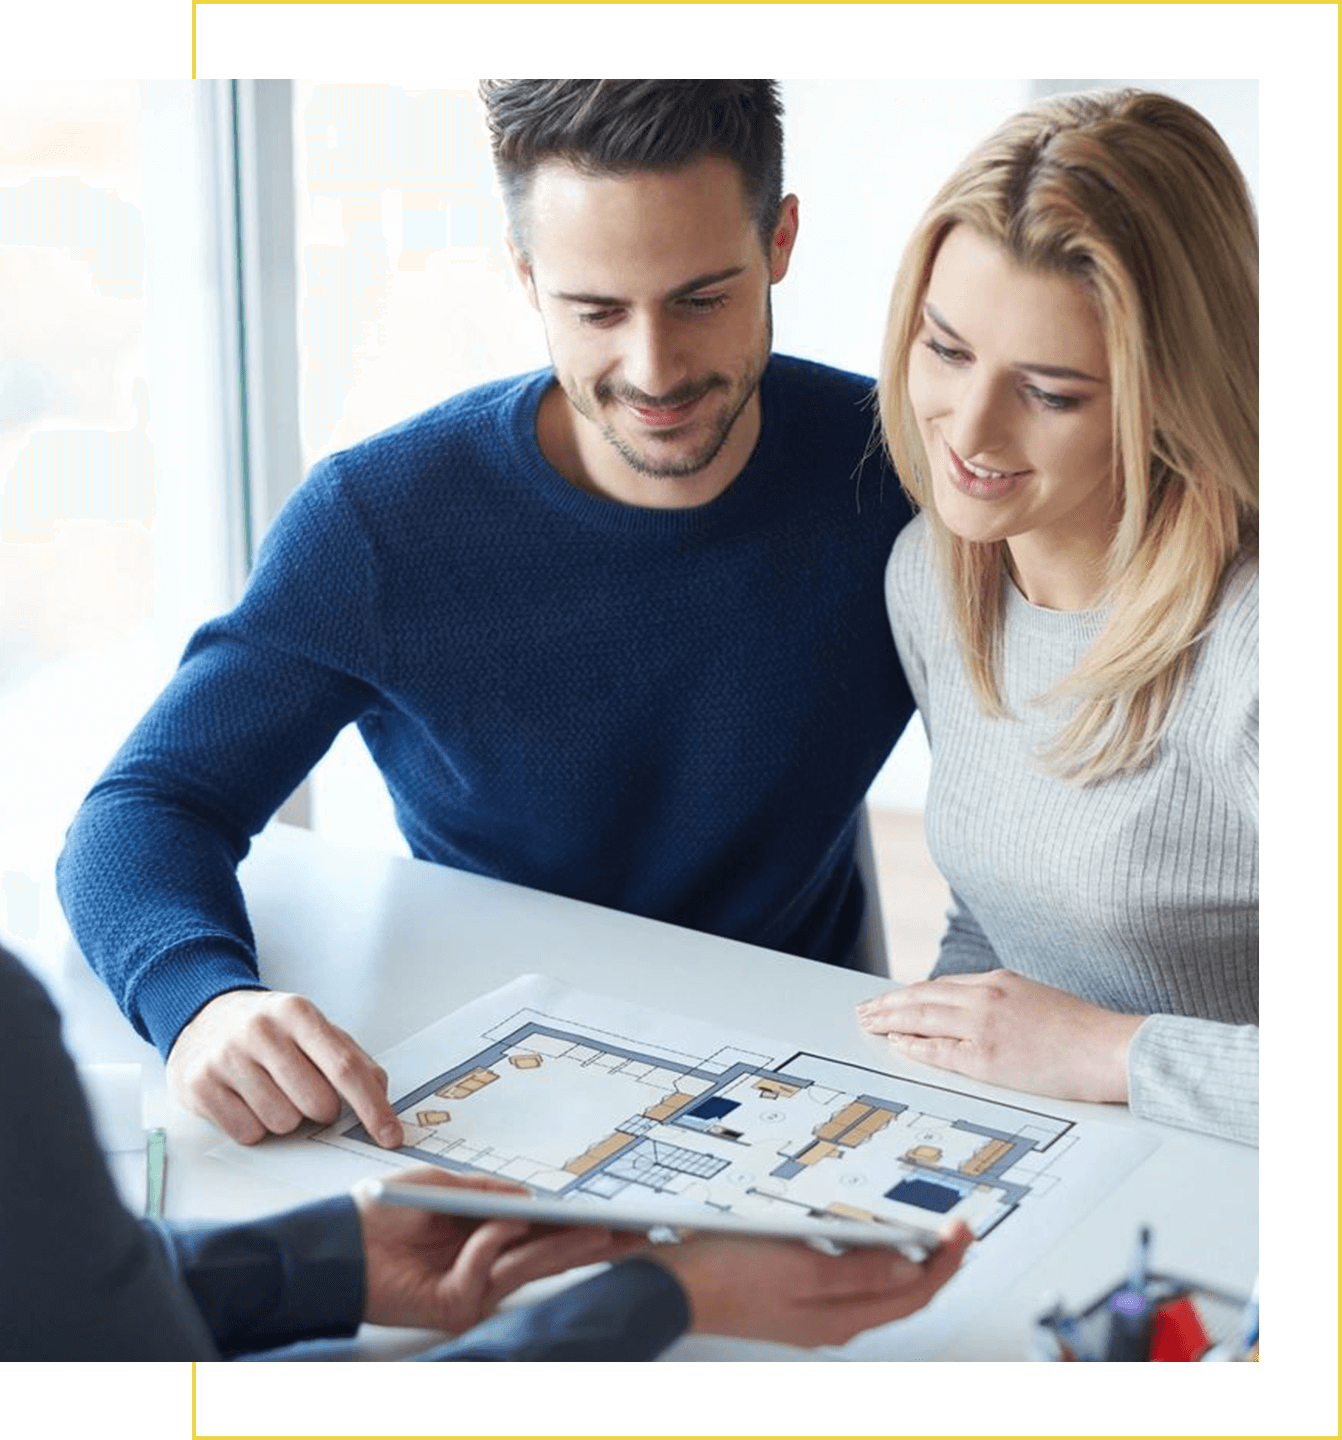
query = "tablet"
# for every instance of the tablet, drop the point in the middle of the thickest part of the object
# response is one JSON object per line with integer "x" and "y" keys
{"x": 661, "y": 1224}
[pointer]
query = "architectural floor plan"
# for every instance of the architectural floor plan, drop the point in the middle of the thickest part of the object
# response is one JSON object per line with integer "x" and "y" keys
{"x": 583, "y": 1097}
{"x": 572, "y": 1110}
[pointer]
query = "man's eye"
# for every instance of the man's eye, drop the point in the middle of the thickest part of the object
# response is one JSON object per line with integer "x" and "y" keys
{"x": 703, "y": 304}
{"x": 597, "y": 317}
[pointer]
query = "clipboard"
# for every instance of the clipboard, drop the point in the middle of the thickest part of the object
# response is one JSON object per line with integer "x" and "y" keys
{"x": 662, "y": 1224}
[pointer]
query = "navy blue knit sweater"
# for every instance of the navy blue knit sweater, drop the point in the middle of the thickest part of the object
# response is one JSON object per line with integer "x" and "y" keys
{"x": 672, "y": 712}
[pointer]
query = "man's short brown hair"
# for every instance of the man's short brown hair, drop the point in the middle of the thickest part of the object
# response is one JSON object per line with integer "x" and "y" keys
{"x": 617, "y": 127}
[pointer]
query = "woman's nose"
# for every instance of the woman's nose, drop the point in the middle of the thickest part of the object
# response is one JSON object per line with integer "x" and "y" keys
{"x": 979, "y": 426}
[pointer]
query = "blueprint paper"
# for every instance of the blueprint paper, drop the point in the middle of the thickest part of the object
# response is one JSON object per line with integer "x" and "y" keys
{"x": 583, "y": 1096}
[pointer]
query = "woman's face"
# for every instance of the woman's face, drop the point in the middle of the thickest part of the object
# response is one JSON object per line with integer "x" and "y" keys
{"x": 1009, "y": 382}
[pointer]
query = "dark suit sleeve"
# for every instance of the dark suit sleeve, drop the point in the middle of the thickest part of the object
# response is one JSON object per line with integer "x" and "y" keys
{"x": 82, "y": 1279}
{"x": 263, "y": 1283}
{"x": 632, "y": 1311}
{"x": 79, "y": 1278}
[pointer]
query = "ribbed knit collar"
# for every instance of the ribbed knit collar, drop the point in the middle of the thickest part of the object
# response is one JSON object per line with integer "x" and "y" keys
{"x": 1080, "y": 626}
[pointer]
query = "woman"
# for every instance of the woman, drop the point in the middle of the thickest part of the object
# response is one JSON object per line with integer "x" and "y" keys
{"x": 1069, "y": 391}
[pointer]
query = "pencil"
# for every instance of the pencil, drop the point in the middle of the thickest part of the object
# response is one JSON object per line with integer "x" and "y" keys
{"x": 156, "y": 1168}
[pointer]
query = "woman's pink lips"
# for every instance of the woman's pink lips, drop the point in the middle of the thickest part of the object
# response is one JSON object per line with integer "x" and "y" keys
{"x": 976, "y": 486}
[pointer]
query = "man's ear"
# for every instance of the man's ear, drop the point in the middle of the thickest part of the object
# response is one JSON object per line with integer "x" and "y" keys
{"x": 784, "y": 238}
{"x": 522, "y": 269}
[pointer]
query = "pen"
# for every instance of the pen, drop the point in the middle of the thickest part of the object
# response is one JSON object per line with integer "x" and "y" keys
{"x": 1130, "y": 1308}
{"x": 1140, "y": 1260}
{"x": 156, "y": 1166}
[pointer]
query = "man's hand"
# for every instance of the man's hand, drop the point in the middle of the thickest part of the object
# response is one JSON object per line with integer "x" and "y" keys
{"x": 1001, "y": 1027}
{"x": 788, "y": 1292}
{"x": 260, "y": 1061}
{"x": 448, "y": 1272}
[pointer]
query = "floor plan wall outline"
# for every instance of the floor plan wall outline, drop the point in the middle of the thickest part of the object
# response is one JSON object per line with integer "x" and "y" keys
{"x": 573, "y": 1110}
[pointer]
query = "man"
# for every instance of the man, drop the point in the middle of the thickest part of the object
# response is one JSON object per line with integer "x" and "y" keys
{"x": 614, "y": 631}
{"x": 83, "y": 1280}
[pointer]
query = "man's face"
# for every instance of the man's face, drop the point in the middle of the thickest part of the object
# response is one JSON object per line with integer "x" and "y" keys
{"x": 654, "y": 292}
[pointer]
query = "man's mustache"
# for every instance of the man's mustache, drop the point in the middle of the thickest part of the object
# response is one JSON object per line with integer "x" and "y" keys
{"x": 681, "y": 395}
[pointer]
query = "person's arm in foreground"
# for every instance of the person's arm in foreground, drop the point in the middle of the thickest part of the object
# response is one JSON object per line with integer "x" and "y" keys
{"x": 79, "y": 1278}
{"x": 320, "y": 1270}
{"x": 83, "y": 1279}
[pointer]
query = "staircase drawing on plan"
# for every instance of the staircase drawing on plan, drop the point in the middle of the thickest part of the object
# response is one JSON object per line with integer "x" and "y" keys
{"x": 572, "y": 1111}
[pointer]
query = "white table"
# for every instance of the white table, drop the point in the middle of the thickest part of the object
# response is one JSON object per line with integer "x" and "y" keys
{"x": 384, "y": 945}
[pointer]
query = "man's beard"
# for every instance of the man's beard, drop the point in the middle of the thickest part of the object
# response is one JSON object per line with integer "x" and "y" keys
{"x": 594, "y": 408}
{"x": 700, "y": 459}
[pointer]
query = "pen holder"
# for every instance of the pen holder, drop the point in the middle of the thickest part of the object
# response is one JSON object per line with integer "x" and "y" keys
{"x": 1164, "y": 1317}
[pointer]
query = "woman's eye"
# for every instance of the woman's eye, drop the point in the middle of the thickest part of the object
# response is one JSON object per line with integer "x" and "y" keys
{"x": 1051, "y": 400}
{"x": 945, "y": 352}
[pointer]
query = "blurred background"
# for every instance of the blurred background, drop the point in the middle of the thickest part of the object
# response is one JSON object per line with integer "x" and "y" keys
{"x": 206, "y": 286}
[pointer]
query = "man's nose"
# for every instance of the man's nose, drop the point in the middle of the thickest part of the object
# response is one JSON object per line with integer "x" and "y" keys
{"x": 653, "y": 362}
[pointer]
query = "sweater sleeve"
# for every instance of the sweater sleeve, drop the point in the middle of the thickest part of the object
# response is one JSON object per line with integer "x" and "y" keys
{"x": 148, "y": 874}
{"x": 631, "y": 1311}
{"x": 1201, "y": 1074}
{"x": 1197, "y": 1074}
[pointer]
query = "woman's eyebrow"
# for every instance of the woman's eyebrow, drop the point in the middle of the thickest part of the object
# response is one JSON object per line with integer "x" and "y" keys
{"x": 1054, "y": 372}
{"x": 940, "y": 321}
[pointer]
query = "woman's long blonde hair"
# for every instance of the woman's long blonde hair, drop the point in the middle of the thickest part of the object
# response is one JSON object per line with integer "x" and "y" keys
{"x": 1134, "y": 195}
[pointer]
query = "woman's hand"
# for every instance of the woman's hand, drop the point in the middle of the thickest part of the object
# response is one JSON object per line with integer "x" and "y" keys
{"x": 1001, "y": 1027}
{"x": 448, "y": 1272}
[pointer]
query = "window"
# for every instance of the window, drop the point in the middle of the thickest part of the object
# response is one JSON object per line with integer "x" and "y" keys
{"x": 404, "y": 296}
{"x": 112, "y": 495}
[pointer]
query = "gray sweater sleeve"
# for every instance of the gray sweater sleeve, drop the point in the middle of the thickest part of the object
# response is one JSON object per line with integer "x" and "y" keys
{"x": 1197, "y": 1074}
{"x": 1140, "y": 893}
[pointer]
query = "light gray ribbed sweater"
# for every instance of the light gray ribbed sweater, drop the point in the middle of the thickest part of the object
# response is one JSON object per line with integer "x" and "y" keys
{"x": 1139, "y": 893}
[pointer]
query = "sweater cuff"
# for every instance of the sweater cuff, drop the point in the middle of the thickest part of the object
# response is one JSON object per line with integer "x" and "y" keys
{"x": 1197, "y": 1074}
{"x": 174, "y": 990}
